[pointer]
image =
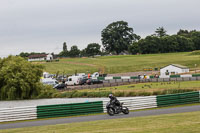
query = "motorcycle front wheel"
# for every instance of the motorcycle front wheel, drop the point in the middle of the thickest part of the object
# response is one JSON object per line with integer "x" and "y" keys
{"x": 110, "y": 111}
{"x": 125, "y": 110}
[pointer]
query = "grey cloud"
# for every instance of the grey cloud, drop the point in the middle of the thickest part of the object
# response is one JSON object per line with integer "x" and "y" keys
{"x": 27, "y": 25}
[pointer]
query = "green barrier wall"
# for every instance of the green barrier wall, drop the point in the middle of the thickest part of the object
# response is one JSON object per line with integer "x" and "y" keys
{"x": 116, "y": 77}
{"x": 61, "y": 110}
{"x": 101, "y": 78}
{"x": 176, "y": 99}
{"x": 175, "y": 76}
{"x": 134, "y": 77}
{"x": 151, "y": 77}
{"x": 195, "y": 75}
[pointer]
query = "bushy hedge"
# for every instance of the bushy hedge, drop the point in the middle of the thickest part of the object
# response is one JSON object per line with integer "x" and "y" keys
{"x": 20, "y": 79}
{"x": 196, "y": 52}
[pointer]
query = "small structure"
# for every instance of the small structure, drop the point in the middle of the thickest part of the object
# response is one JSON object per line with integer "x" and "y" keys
{"x": 173, "y": 69}
{"x": 40, "y": 57}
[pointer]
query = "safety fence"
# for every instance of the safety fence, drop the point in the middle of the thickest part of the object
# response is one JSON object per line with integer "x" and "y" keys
{"x": 146, "y": 102}
{"x": 62, "y": 110}
{"x": 177, "y": 99}
{"x": 148, "y": 77}
{"x": 136, "y": 103}
{"x": 18, "y": 113}
{"x": 109, "y": 82}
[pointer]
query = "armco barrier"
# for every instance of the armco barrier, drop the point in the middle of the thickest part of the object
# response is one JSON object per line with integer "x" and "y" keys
{"x": 148, "y": 77}
{"x": 61, "y": 110}
{"x": 18, "y": 113}
{"x": 177, "y": 99}
{"x": 158, "y": 101}
{"x": 136, "y": 103}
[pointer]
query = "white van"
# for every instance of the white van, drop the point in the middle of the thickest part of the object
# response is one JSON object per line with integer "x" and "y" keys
{"x": 49, "y": 81}
{"x": 74, "y": 80}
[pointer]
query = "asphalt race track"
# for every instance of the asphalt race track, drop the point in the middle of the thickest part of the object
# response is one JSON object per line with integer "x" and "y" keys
{"x": 99, "y": 117}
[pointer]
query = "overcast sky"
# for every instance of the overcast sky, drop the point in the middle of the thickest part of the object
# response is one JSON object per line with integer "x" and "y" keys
{"x": 43, "y": 25}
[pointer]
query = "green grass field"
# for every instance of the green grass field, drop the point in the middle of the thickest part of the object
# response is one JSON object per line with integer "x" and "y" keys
{"x": 174, "y": 123}
{"x": 121, "y": 63}
{"x": 139, "y": 89}
{"x": 149, "y": 87}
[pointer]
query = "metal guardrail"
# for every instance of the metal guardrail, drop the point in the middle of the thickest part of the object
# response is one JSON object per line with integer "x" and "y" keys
{"x": 136, "y": 103}
{"x": 60, "y": 110}
{"x": 18, "y": 113}
{"x": 146, "y": 102}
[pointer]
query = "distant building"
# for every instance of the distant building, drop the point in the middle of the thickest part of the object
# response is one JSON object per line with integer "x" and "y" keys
{"x": 40, "y": 57}
{"x": 173, "y": 69}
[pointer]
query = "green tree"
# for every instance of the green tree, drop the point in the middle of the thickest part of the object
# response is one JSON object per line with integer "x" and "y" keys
{"x": 182, "y": 32}
{"x": 65, "y": 52}
{"x": 151, "y": 44}
{"x": 74, "y": 52}
{"x": 93, "y": 49}
{"x": 19, "y": 79}
{"x": 117, "y": 37}
{"x": 195, "y": 36}
{"x": 83, "y": 53}
{"x": 24, "y": 54}
{"x": 169, "y": 44}
{"x": 185, "y": 44}
{"x": 134, "y": 48}
{"x": 160, "y": 32}
{"x": 64, "y": 47}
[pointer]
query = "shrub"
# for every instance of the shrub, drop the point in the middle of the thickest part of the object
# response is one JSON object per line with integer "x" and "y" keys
{"x": 19, "y": 79}
{"x": 196, "y": 52}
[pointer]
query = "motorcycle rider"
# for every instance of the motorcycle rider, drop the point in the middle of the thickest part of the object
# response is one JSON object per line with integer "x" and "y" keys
{"x": 114, "y": 102}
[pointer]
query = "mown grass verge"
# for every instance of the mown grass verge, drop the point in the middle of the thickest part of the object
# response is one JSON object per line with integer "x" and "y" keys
{"x": 140, "y": 89}
{"x": 175, "y": 123}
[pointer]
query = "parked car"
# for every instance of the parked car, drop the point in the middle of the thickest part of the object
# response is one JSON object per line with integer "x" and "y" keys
{"x": 60, "y": 86}
{"x": 93, "y": 81}
{"x": 83, "y": 80}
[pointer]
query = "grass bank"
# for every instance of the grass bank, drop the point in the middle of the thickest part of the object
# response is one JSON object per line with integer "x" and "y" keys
{"x": 140, "y": 89}
{"x": 175, "y": 123}
{"x": 122, "y": 63}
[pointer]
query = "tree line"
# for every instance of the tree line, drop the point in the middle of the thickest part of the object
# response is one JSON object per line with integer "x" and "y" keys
{"x": 118, "y": 38}
{"x": 160, "y": 42}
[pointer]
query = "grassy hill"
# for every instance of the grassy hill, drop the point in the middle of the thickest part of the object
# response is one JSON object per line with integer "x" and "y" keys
{"x": 121, "y": 63}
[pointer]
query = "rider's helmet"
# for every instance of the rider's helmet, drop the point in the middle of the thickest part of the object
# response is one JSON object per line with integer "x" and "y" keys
{"x": 110, "y": 96}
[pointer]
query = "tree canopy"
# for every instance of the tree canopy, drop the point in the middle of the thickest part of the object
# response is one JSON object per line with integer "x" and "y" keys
{"x": 19, "y": 79}
{"x": 117, "y": 37}
{"x": 93, "y": 49}
{"x": 74, "y": 51}
{"x": 160, "y": 32}
{"x": 183, "y": 41}
{"x": 64, "y": 47}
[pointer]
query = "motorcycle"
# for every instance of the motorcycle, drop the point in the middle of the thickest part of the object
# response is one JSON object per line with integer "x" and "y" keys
{"x": 111, "y": 109}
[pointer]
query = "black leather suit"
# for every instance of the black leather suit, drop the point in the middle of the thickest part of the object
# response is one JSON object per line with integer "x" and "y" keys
{"x": 114, "y": 101}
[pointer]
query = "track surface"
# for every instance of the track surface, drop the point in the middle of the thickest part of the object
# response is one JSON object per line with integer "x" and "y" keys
{"x": 99, "y": 117}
